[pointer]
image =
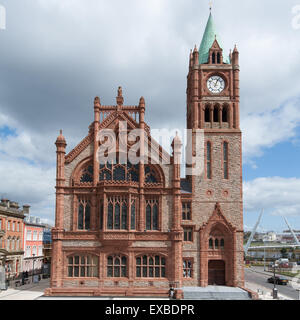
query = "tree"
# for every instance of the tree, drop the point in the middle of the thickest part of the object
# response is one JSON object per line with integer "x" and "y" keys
{"x": 284, "y": 253}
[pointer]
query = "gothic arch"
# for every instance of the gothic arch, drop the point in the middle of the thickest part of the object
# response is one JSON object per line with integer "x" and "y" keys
{"x": 79, "y": 170}
{"x": 217, "y": 228}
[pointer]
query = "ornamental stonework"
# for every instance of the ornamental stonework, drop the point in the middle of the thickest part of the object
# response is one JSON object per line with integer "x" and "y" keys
{"x": 121, "y": 228}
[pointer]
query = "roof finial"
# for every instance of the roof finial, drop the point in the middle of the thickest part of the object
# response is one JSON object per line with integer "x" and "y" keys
{"x": 210, "y": 5}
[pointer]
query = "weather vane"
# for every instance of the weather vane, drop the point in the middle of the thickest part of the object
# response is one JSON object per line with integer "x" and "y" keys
{"x": 210, "y": 5}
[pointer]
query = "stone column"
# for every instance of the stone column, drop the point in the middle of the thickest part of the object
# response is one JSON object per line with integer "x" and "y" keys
{"x": 57, "y": 232}
{"x": 142, "y": 167}
{"x": 176, "y": 232}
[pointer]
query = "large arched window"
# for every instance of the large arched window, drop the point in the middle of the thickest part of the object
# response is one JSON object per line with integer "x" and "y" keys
{"x": 116, "y": 266}
{"x": 150, "y": 267}
{"x": 119, "y": 172}
{"x": 83, "y": 266}
{"x": 87, "y": 174}
{"x": 84, "y": 214}
{"x": 150, "y": 175}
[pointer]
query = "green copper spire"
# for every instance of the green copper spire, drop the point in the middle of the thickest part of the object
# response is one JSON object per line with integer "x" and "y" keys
{"x": 210, "y": 35}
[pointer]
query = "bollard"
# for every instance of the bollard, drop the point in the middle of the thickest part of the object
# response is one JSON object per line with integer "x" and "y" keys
{"x": 275, "y": 293}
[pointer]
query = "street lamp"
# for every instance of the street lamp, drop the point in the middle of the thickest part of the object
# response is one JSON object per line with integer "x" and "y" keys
{"x": 275, "y": 291}
{"x": 33, "y": 266}
{"x": 298, "y": 294}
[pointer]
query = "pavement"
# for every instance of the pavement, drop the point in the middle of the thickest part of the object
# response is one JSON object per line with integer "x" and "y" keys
{"x": 35, "y": 291}
{"x": 31, "y": 291}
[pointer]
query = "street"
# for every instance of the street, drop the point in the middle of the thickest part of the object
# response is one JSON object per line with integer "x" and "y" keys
{"x": 254, "y": 276}
{"x": 258, "y": 276}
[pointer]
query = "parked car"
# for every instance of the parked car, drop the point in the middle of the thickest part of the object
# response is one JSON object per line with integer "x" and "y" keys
{"x": 278, "y": 280}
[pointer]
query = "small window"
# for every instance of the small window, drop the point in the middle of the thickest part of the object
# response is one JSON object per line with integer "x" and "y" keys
{"x": 208, "y": 160}
{"x": 117, "y": 266}
{"x": 225, "y": 161}
{"x": 186, "y": 211}
{"x": 222, "y": 243}
{"x": 211, "y": 243}
{"x": 216, "y": 244}
{"x": 188, "y": 234}
{"x": 187, "y": 269}
{"x": 207, "y": 114}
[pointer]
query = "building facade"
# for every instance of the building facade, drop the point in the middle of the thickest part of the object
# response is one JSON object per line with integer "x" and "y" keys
{"x": 33, "y": 245}
{"x": 125, "y": 228}
{"x": 11, "y": 237}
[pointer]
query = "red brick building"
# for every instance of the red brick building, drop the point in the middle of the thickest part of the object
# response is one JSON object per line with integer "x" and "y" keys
{"x": 138, "y": 229}
{"x": 11, "y": 237}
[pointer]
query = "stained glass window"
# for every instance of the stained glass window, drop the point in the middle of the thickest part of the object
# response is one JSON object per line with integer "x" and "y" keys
{"x": 117, "y": 213}
{"x": 152, "y": 217}
{"x": 132, "y": 222}
{"x": 84, "y": 215}
{"x": 87, "y": 174}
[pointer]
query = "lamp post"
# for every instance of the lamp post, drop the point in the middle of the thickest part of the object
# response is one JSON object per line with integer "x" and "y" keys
{"x": 33, "y": 266}
{"x": 298, "y": 290}
{"x": 275, "y": 291}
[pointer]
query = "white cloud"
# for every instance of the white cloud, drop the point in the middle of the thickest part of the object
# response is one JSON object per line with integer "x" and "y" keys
{"x": 266, "y": 129}
{"x": 279, "y": 196}
{"x": 28, "y": 184}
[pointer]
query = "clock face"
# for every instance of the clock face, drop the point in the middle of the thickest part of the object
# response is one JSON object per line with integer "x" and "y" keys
{"x": 216, "y": 84}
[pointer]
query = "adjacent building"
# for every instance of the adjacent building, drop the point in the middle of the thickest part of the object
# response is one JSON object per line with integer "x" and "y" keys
{"x": 33, "y": 245}
{"x": 11, "y": 237}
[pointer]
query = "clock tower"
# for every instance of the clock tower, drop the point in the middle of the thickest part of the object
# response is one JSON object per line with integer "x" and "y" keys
{"x": 213, "y": 103}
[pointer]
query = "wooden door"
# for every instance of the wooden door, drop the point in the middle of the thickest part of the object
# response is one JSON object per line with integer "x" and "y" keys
{"x": 216, "y": 273}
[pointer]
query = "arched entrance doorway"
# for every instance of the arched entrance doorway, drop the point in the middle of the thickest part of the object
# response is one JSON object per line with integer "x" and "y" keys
{"x": 216, "y": 273}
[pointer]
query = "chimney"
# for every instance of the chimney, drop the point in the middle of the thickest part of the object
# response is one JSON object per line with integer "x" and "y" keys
{"x": 14, "y": 205}
{"x": 5, "y": 202}
{"x": 26, "y": 209}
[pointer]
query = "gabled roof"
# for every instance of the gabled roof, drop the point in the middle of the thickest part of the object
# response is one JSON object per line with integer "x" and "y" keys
{"x": 132, "y": 124}
{"x": 209, "y": 37}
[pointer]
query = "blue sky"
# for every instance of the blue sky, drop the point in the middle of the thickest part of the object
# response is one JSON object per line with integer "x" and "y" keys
{"x": 57, "y": 55}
